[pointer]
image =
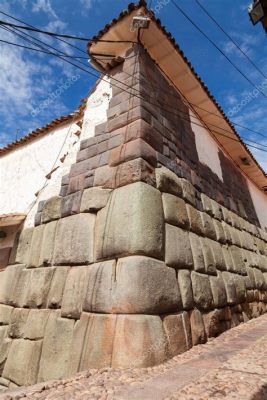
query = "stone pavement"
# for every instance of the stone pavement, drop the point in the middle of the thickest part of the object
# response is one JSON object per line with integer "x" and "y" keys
{"x": 232, "y": 366}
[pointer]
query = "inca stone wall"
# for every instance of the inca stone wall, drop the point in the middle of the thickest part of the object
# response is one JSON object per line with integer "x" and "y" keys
{"x": 143, "y": 254}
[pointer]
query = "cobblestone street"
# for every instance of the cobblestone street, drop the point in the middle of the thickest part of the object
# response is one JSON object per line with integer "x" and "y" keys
{"x": 232, "y": 366}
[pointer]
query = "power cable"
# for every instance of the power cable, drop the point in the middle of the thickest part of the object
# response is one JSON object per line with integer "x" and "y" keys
{"x": 231, "y": 39}
{"x": 217, "y": 47}
{"x": 159, "y": 106}
{"x": 95, "y": 56}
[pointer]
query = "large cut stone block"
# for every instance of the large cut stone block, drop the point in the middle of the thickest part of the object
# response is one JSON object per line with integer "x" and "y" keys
{"x": 209, "y": 261}
{"x": 22, "y": 363}
{"x": 202, "y": 290}
{"x": 195, "y": 221}
{"x": 93, "y": 199}
{"x": 178, "y": 334}
{"x": 39, "y": 286}
{"x": 218, "y": 290}
{"x": 75, "y": 292}
{"x": 132, "y": 287}
{"x": 14, "y": 285}
{"x": 230, "y": 287}
{"x": 57, "y": 287}
{"x": 5, "y": 314}
{"x": 196, "y": 246}
{"x": 17, "y": 322}
{"x": 208, "y": 226}
{"x": 175, "y": 210}
{"x": 24, "y": 246}
{"x": 35, "y": 325}
{"x": 218, "y": 256}
{"x": 55, "y": 357}
{"x": 184, "y": 280}
{"x": 36, "y": 245}
{"x": 197, "y": 328}
{"x": 178, "y": 252}
{"x": 52, "y": 209}
{"x": 139, "y": 341}
{"x": 129, "y": 224}
{"x": 74, "y": 240}
{"x": 238, "y": 261}
{"x": 98, "y": 343}
{"x": 48, "y": 243}
{"x": 77, "y": 345}
{"x": 168, "y": 182}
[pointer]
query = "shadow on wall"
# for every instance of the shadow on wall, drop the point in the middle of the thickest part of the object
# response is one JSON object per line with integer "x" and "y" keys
{"x": 261, "y": 394}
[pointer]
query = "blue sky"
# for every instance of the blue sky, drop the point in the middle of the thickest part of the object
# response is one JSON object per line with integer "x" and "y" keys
{"x": 28, "y": 79}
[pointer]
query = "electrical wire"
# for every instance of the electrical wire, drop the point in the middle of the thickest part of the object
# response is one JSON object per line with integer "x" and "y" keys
{"x": 29, "y": 28}
{"x": 194, "y": 105}
{"x": 157, "y": 105}
{"x": 231, "y": 39}
{"x": 38, "y": 50}
{"x": 217, "y": 47}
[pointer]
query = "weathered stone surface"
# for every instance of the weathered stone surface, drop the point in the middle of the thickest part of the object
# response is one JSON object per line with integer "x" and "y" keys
{"x": 217, "y": 253}
{"x": 132, "y": 287}
{"x": 75, "y": 292}
{"x": 259, "y": 279}
{"x": 39, "y": 286}
{"x": 184, "y": 280}
{"x": 174, "y": 327}
{"x": 235, "y": 234}
{"x": 35, "y": 248}
{"x": 218, "y": 290}
{"x": 202, "y": 290}
{"x": 17, "y": 322}
{"x": 214, "y": 323}
{"x": 57, "y": 287}
{"x": 35, "y": 325}
{"x": 195, "y": 222}
{"x": 196, "y": 247}
{"x": 206, "y": 203}
{"x": 197, "y": 328}
{"x": 78, "y": 339}
{"x": 227, "y": 232}
{"x": 8, "y": 281}
{"x": 22, "y": 363}
{"x": 220, "y": 236}
{"x": 129, "y": 225}
{"x": 52, "y": 209}
{"x": 188, "y": 191}
{"x": 55, "y": 357}
{"x": 71, "y": 204}
{"x": 216, "y": 210}
{"x": 228, "y": 258}
{"x": 178, "y": 252}
{"x": 137, "y": 148}
{"x": 208, "y": 226}
{"x": 240, "y": 288}
{"x": 230, "y": 287}
{"x": 5, "y": 314}
{"x": 168, "y": 182}
{"x": 48, "y": 242}
{"x": 5, "y": 343}
{"x": 139, "y": 341}
{"x": 15, "y": 285}
{"x": 175, "y": 210}
{"x": 209, "y": 261}
{"x": 74, "y": 240}
{"x": 238, "y": 261}
{"x": 98, "y": 343}
{"x": 24, "y": 246}
{"x": 95, "y": 198}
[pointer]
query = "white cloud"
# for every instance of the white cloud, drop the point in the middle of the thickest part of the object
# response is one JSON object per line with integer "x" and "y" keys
{"x": 44, "y": 6}
{"x": 87, "y": 4}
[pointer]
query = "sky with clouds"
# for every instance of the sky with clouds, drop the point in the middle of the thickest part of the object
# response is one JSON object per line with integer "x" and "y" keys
{"x": 35, "y": 87}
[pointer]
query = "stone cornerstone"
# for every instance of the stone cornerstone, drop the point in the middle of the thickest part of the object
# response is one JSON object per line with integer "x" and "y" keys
{"x": 144, "y": 253}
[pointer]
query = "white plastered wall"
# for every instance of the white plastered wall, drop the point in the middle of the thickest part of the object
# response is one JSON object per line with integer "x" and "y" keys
{"x": 23, "y": 171}
{"x": 260, "y": 204}
{"x": 207, "y": 148}
{"x": 208, "y": 153}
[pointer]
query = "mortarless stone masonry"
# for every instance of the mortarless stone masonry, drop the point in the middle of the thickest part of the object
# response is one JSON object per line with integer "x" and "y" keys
{"x": 143, "y": 254}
